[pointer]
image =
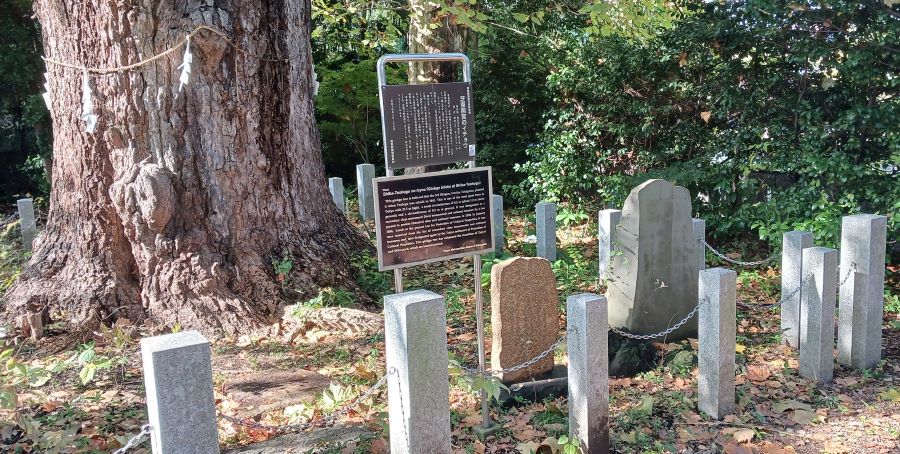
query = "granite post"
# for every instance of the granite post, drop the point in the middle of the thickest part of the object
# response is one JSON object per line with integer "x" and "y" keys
{"x": 606, "y": 237}
{"x": 497, "y": 211}
{"x": 336, "y": 186}
{"x": 700, "y": 232}
{"x": 416, "y": 358}
{"x": 26, "y": 222}
{"x": 365, "y": 173}
{"x": 861, "y": 310}
{"x": 545, "y": 223}
{"x": 817, "y": 303}
{"x": 180, "y": 403}
{"x": 717, "y": 322}
{"x": 588, "y": 372}
{"x": 792, "y": 246}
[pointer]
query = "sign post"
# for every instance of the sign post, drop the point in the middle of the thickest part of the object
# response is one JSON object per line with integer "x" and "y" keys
{"x": 440, "y": 215}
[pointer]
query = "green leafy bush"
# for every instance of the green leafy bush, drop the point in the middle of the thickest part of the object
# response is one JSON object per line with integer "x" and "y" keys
{"x": 775, "y": 118}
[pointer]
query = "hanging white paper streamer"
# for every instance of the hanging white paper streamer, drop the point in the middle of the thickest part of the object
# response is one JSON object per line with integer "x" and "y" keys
{"x": 87, "y": 105}
{"x": 46, "y": 93}
{"x": 315, "y": 81}
{"x": 185, "y": 66}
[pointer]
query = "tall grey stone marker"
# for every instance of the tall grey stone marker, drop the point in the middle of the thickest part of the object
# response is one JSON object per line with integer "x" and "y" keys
{"x": 179, "y": 384}
{"x": 497, "y": 210}
{"x": 416, "y": 356}
{"x": 653, "y": 282}
{"x": 717, "y": 319}
{"x": 588, "y": 346}
{"x": 336, "y": 186}
{"x": 545, "y": 223}
{"x": 817, "y": 303}
{"x": 861, "y": 310}
{"x": 365, "y": 173}
{"x": 699, "y": 226}
{"x": 26, "y": 222}
{"x": 607, "y": 221}
{"x": 792, "y": 246}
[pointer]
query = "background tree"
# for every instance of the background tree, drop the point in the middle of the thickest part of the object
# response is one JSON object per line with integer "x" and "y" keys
{"x": 25, "y": 133}
{"x": 175, "y": 207}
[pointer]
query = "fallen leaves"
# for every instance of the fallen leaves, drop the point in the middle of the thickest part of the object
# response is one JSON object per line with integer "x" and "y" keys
{"x": 758, "y": 373}
{"x": 892, "y": 395}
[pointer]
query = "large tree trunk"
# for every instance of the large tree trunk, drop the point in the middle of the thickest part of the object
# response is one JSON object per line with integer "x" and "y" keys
{"x": 445, "y": 36}
{"x": 176, "y": 206}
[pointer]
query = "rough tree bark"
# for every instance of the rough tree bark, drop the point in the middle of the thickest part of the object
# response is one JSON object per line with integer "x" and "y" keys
{"x": 423, "y": 39}
{"x": 175, "y": 207}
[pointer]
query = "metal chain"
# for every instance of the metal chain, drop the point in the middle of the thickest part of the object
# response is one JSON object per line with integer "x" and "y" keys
{"x": 697, "y": 308}
{"x": 402, "y": 410}
{"x": 135, "y": 440}
{"x": 731, "y": 260}
{"x": 661, "y": 333}
{"x": 803, "y": 284}
{"x": 532, "y": 361}
{"x": 288, "y": 428}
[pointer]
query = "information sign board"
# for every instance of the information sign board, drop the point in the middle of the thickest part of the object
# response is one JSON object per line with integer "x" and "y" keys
{"x": 428, "y": 124}
{"x": 434, "y": 216}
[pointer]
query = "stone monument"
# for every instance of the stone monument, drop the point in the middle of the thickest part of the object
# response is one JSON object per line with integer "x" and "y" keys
{"x": 652, "y": 283}
{"x": 524, "y": 316}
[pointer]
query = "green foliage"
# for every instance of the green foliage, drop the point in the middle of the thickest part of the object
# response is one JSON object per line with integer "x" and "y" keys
{"x": 89, "y": 362}
{"x": 12, "y": 256}
{"x": 374, "y": 282}
{"x": 283, "y": 267}
{"x": 780, "y": 117}
{"x": 347, "y": 111}
{"x": 24, "y": 120}
{"x": 572, "y": 270}
{"x": 569, "y": 446}
{"x": 492, "y": 386}
{"x": 568, "y": 216}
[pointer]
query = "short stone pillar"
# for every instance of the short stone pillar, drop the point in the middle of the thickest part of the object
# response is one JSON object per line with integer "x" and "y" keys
{"x": 27, "y": 223}
{"x": 861, "y": 310}
{"x": 418, "y": 388}
{"x": 588, "y": 372}
{"x": 336, "y": 186}
{"x": 607, "y": 222}
{"x": 817, "y": 303}
{"x": 717, "y": 324}
{"x": 792, "y": 245}
{"x": 545, "y": 226}
{"x": 180, "y": 403}
{"x": 365, "y": 173}
{"x": 699, "y": 226}
{"x": 497, "y": 214}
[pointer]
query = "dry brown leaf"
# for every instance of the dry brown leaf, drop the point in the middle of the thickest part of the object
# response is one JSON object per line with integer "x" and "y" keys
{"x": 834, "y": 447}
{"x": 705, "y": 116}
{"x": 743, "y": 435}
{"x": 528, "y": 447}
{"x": 758, "y": 373}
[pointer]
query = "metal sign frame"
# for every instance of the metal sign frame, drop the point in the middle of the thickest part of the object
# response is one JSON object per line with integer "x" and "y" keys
{"x": 408, "y": 58}
{"x": 490, "y": 208}
{"x": 476, "y": 258}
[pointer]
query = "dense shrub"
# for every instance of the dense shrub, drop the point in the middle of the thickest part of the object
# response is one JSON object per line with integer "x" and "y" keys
{"x": 775, "y": 116}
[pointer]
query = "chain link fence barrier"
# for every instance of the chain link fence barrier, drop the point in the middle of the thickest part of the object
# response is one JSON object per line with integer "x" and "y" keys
{"x": 731, "y": 260}
{"x": 135, "y": 440}
{"x": 681, "y": 323}
{"x": 532, "y": 361}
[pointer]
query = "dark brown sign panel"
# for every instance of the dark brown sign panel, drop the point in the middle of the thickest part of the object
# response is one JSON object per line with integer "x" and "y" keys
{"x": 428, "y": 124}
{"x": 433, "y": 216}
